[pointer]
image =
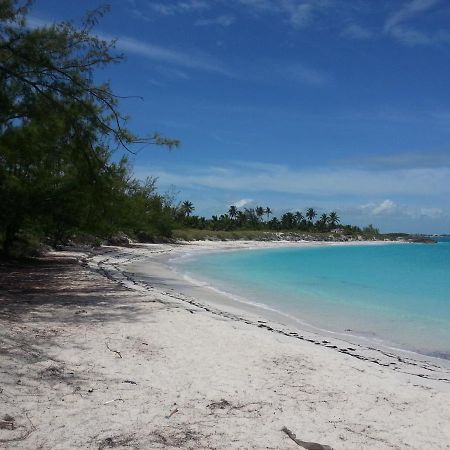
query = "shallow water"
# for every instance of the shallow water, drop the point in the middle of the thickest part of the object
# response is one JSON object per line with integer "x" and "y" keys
{"x": 394, "y": 294}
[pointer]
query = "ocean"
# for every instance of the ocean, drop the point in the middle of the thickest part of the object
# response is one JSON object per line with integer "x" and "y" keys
{"x": 397, "y": 295}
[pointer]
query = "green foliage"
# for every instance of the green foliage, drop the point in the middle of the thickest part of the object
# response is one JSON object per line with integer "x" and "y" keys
{"x": 58, "y": 131}
{"x": 258, "y": 218}
{"x": 371, "y": 230}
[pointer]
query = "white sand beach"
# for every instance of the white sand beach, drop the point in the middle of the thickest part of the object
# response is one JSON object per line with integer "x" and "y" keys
{"x": 93, "y": 357}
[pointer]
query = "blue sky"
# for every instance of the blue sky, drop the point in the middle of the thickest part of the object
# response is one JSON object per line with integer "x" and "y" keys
{"x": 335, "y": 104}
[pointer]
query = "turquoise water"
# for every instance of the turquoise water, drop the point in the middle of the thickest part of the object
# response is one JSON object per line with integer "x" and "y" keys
{"x": 398, "y": 295}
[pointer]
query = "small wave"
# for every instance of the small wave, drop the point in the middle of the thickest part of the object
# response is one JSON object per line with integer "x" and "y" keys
{"x": 246, "y": 301}
{"x": 187, "y": 256}
{"x": 394, "y": 341}
{"x": 357, "y": 337}
{"x": 227, "y": 294}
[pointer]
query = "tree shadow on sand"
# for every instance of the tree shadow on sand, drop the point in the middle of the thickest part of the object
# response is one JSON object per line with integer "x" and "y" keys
{"x": 59, "y": 290}
{"x": 42, "y": 299}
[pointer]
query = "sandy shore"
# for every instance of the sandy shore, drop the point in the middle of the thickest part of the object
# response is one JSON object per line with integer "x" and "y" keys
{"x": 92, "y": 356}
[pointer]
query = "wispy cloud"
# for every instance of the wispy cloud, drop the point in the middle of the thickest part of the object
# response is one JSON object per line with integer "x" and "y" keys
{"x": 305, "y": 74}
{"x": 224, "y": 20}
{"x": 410, "y": 10}
{"x": 403, "y": 160}
{"x": 432, "y": 213}
{"x": 355, "y": 31}
{"x": 258, "y": 5}
{"x": 179, "y": 7}
{"x": 191, "y": 59}
{"x": 186, "y": 58}
{"x": 138, "y": 13}
{"x": 298, "y": 13}
{"x": 314, "y": 181}
{"x": 388, "y": 208}
{"x": 411, "y": 37}
{"x": 398, "y": 24}
{"x": 271, "y": 70}
{"x": 172, "y": 73}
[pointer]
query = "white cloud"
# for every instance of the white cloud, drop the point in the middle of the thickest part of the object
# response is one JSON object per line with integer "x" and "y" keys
{"x": 390, "y": 208}
{"x": 385, "y": 207}
{"x": 243, "y": 202}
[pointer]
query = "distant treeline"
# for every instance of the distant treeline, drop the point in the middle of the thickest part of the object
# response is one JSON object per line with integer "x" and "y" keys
{"x": 261, "y": 218}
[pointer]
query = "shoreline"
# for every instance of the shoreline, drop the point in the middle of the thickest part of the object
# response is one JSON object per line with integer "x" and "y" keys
{"x": 276, "y": 315}
{"x": 172, "y": 282}
{"x": 92, "y": 357}
{"x": 271, "y": 313}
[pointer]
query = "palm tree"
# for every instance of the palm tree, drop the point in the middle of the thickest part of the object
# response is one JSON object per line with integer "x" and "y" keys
{"x": 187, "y": 207}
{"x": 299, "y": 218}
{"x": 333, "y": 219}
{"x": 268, "y": 212}
{"x": 310, "y": 214}
{"x": 322, "y": 222}
{"x": 288, "y": 221}
{"x": 232, "y": 211}
{"x": 251, "y": 217}
{"x": 241, "y": 218}
{"x": 259, "y": 211}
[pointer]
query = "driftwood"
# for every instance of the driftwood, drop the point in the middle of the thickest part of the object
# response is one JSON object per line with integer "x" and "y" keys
{"x": 115, "y": 400}
{"x": 111, "y": 350}
{"x": 307, "y": 445}
{"x": 172, "y": 413}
